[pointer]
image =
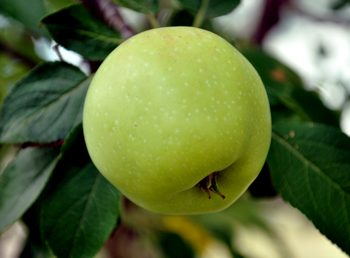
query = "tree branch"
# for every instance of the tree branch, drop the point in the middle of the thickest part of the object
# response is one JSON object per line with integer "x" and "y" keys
{"x": 13, "y": 53}
{"x": 109, "y": 12}
{"x": 270, "y": 17}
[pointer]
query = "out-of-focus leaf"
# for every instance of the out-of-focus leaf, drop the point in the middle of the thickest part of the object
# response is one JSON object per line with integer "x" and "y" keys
{"x": 16, "y": 40}
{"x": 26, "y": 12}
{"x": 142, "y": 6}
{"x": 215, "y": 8}
{"x": 339, "y": 4}
{"x": 310, "y": 166}
{"x": 45, "y": 105}
{"x": 244, "y": 212}
{"x": 224, "y": 233}
{"x": 82, "y": 31}
{"x": 22, "y": 182}
{"x": 80, "y": 207}
{"x": 283, "y": 86}
{"x": 11, "y": 70}
{"x": 191, "y": 232}
{"x": 173, "y": 246}
{"x": 35, "y": 246}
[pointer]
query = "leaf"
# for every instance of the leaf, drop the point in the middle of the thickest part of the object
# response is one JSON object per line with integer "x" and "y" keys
{"x": 142, "y": 6}
{"x": 310, "y": 167}
{"x": 82, "y": 31}
{"x": 45, "y": 105}
{"x": 285, "y": 87}
{"x": 22, "y": 182}
{"x": 215, "y": 8}
{"x": 262, "y": 186}
{"x": 18, "y": 9}
{"x": 173, "y": 246}
{"x": 185, "y": 18}
{"x": 17, "y": 41}
{"x": 244, "y": 212}
{"x": 55, "y": 5}
{"x": 35, "y": 246}
{"x": 10, "y": 72}
{"x": 339, "y": 4}
{"x": 80, "y": 207}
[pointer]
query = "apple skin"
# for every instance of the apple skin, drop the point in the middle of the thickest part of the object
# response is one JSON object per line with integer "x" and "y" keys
{"x": 169, "y": 107}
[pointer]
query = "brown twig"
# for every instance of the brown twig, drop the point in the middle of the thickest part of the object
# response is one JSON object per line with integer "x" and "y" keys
{"x": 56, "y": 49}
{"x": 49, "y": 144}
{"x": 109, "y": 12}
{"x": 13, "y": 53}
{"x": 270, "y": 17}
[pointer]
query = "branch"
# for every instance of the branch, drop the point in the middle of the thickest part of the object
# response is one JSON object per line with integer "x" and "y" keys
{"x": 109, "y": 12}
{"x": 49, "y": 144}
{"x": 13, "y": 53}
{"x": 270, "y": 17}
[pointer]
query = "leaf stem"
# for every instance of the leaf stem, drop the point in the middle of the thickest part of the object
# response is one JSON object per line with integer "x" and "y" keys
{"x": 153, "y": 20}
{"x": 201, "y": 14}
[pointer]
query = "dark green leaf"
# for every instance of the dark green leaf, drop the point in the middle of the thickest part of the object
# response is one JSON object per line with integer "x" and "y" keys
{"x": 215, "y": 8}
{"x": 22, "y": 182}
{"x": 35, "y": 247}
{"x": 310, "y": 167}
{"x": 185, "y": 18}
{"x": 284, "y": 87}
{"x": 339, "y": 4}
{"x": 45, "y": 105}
{"x": 82, "y": 31}
{"x": 311, "y": 104}
{"x": 73, "y": 137}
{"x": 80, "y": 207}
{"x": 182, "y": 18}
{"x": 282, "y": 114}
{"x": 174, "y": 246}
{"x": 262, "y": 186}
{"x": 142, "y": 6}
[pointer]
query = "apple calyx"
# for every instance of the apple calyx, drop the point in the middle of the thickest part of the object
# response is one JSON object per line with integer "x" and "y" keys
{"x": 209, "y": 184}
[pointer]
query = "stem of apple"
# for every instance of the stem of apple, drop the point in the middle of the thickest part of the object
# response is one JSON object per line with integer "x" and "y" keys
{"x": 201, "y": 14}
{"x": 209, "y": 184}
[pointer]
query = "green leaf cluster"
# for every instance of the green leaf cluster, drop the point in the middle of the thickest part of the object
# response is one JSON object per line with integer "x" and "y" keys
{"x": 53, "y": 182}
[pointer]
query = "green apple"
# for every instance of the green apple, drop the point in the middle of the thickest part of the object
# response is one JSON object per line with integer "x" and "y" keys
{"x": 175, "y": 115}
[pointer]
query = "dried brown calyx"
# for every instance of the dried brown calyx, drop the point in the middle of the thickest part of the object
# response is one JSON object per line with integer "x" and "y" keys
{"x": 209, "y": 184}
